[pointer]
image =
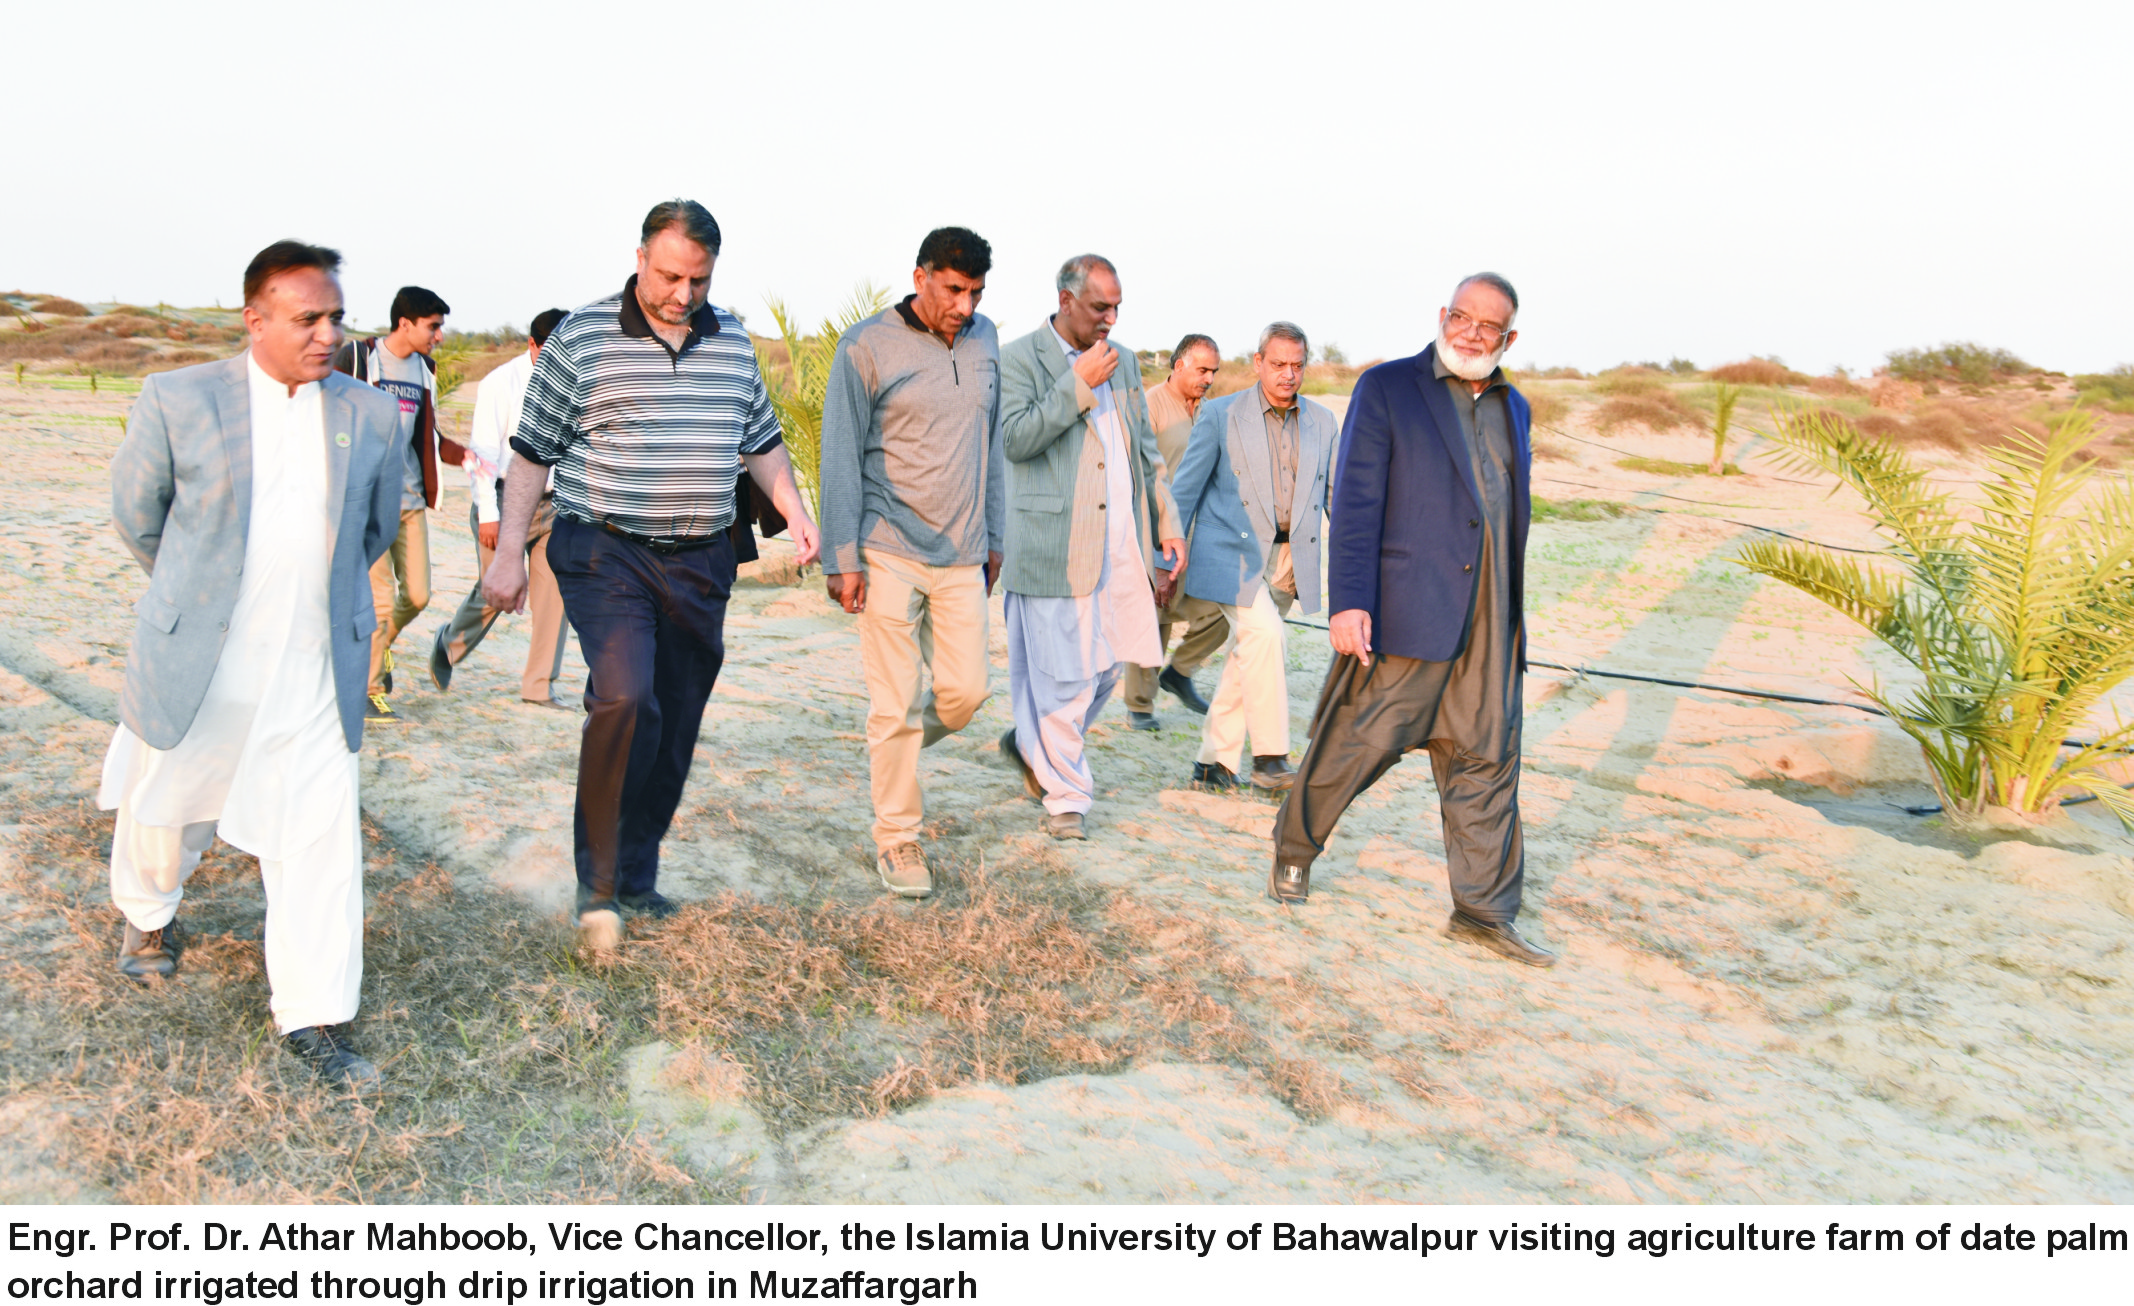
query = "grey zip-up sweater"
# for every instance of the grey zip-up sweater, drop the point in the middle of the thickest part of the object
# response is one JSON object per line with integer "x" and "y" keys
{"x": 911, "y": 454}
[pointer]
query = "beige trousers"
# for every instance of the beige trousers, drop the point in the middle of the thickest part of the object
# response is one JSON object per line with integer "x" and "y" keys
{"x": 1253, "y": 698}
{"x": 544, "y": 602}
{"x": 1206, "y": 628}
{"x": 399, "y": 588}
{"x": 314, "y": 944}
{"x": 917, "y": 617}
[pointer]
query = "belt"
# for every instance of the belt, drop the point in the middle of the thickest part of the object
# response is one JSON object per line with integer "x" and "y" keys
{"x": 1281, "y": 537}
{"x": 669, "y": 547}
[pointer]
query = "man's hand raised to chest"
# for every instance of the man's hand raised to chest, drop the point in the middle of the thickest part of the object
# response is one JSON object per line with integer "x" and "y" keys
{"x": 1096, "y": 364}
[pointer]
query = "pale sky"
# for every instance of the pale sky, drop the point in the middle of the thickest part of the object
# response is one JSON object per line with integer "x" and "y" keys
{"x": 1824, "y": 182}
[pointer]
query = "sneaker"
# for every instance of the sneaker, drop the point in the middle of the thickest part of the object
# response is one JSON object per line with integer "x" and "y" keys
{"x": 330, "y": 1057}
{"x": 1213, "y": 778}
{"x": 149, "y": 954}
{"x": 386, "y": 667}
{"x": 904, "y": 873}
{"x": 381, "y": 712}
{"x": 600, "y": 926}
{"x": 651, "y": 903}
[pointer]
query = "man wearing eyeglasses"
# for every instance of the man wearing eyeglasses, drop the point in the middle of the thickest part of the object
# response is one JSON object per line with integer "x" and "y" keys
{"x": 1425, "y": 576}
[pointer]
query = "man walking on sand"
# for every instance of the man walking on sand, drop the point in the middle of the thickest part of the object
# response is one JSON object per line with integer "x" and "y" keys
{"x": 1086, "y": 493}
{"x": 498, "y": 402}
{"x": 399, "y": 363}
{"x": 648, "y": 404}
{"x": 1252, "y": 491}
{"x": 1172, "y": 407}
{"x": 914, "y": 501}
{"x": 255, "y": 492}
{"x": 1427, "y": 556}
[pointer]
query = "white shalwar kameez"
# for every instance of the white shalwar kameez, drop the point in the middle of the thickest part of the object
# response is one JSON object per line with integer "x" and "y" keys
{"x": 265, "y": 763}
{"x": 1065, "y": 652}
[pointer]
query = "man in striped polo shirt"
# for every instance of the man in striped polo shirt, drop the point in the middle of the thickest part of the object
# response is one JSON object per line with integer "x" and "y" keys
{"x": 647, "y": 404}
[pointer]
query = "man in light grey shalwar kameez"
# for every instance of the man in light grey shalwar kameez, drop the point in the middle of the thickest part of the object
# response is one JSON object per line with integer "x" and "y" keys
{"x": 1086, "y": 496}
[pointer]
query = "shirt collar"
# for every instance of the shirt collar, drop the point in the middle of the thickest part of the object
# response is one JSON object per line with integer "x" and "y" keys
{"x": 1065, "y": 348}
{"x": 704, "y": 322}
{"x": 1267, "y": 406}
{"x": 1444, "y": 373}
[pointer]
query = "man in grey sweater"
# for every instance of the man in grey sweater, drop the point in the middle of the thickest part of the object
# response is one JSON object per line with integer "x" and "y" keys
{"x": 914, "y": 502}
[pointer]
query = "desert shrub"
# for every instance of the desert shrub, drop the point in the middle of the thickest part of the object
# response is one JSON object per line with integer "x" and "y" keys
{"x": 1630, "y": 379}
{"x": 79, "y": 344}
{"x": 2018, "y": 615}
{"x": 2113, "y": 390}
{"x": 60, "y": 307}
{"x": 1550, "y": 374}
{"x": 1549, "y": 407}
{"x": 1881, "y": 425}
{"x": 1577, "y": 509}
{"x": 134, "y": 310}
{"x": 1758, "y": 371}
{"x": 1835, "y": 385}
{"x": 1961, "y": 362}
{"x": 1659, "y": 410}
{"x": 130, "y": 324}
{"x": 174, "y": 358}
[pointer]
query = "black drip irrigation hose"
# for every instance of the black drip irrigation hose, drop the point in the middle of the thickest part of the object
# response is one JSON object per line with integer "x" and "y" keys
{"x": 1745, "y": 525}
{"x": 1772, "y": 696}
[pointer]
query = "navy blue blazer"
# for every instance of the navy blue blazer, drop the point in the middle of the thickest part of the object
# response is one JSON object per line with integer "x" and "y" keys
{"x": 1406, "y": 534}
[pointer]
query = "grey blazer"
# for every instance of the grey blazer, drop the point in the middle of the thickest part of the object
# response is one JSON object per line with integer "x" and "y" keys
{"x": 1225, "y": 491}
{"x": 1055, "y": 533}
{"x": 181, "y": 499}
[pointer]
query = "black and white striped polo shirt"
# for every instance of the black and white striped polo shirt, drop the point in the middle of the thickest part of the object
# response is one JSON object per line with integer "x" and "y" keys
{"x": 644, "y": 437}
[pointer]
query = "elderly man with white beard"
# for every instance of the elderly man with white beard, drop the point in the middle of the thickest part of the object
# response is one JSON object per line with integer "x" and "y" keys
{"x": 1426, "y": 560}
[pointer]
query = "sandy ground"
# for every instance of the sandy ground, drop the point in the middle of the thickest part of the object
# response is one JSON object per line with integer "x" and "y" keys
{"x": 1776, "y": 987}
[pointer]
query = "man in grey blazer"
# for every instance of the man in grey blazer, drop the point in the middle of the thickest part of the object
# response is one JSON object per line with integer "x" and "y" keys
{"x": 255, "y": 492}
{"x": 1253, "y": 486}
{"x": 1086, "y": 495}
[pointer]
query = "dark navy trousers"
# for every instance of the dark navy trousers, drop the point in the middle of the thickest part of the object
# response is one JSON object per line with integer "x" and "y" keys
{"x": 652, "y": 628}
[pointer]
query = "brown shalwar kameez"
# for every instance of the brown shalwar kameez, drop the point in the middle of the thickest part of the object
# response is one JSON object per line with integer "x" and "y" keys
{"x": 1467, "y": 712}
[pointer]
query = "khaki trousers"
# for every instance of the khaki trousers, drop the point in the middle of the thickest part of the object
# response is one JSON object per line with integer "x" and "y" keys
{"x": 399, "y": 588}
{"x": 1253, "y": 698}
{"x": 1205, "y": 630}
{"x": 916, "y": 617}
{"x": 544, "y": 602}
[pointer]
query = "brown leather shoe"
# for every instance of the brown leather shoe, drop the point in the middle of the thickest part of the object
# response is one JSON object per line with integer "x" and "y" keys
{"x": 149, "y": 954}
{"x": 1502, "y": 938}
{"x": 1064, "y": 825}
{"x": 1015, "y": 755}
{"x": 1273, "y": 773}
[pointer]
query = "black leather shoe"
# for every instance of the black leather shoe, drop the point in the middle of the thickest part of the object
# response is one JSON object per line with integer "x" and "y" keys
{"x": 1143, "y": 721}
{"x": 1214, "y": 778}
{"x": 1289, "y": 884}
{"x": 1501, "y": 938}
{"x": 326, "y": 1050}
{"x": 1015, "y": 755}
{"x": 440, "y": 664}
{"x": 1181, "y": 686}
{"x": 149, "y": 954}
{"x": 1273, "y": 773}
{"x": 651, "y": 903}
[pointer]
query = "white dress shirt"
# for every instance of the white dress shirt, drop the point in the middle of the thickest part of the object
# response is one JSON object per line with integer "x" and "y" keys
{"x": 266, "y": 753}
{"x": 498, "y": 399}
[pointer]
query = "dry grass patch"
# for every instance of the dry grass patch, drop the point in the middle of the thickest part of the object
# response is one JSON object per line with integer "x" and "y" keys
{"x": 59, "y": 306}
{"x": 1656, "y": 410}
{"x": 1759, "y": 371}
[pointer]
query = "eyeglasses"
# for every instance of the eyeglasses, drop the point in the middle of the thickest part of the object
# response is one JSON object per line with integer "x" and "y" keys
{"x": 1458, "y": 323}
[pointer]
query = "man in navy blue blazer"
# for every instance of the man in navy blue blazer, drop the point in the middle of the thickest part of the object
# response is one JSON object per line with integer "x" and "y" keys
{"x": 1426, "y": 562}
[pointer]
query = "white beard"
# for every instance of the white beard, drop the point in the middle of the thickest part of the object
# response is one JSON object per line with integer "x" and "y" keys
{"x": 1467, "y": 369}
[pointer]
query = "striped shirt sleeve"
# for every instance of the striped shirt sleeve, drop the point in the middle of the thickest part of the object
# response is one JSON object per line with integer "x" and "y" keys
{"x": 548, "y": 423}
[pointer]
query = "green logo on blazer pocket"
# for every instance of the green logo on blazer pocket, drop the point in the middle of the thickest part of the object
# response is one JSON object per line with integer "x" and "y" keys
{"x": 341, "y": 439}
